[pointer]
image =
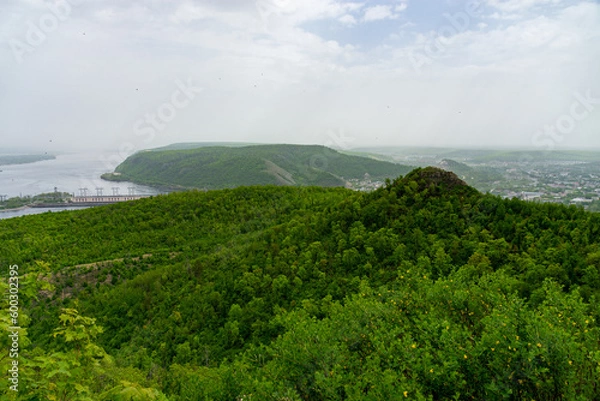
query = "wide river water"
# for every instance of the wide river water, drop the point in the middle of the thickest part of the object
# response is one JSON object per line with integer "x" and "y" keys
{"x": 67, "y": 173}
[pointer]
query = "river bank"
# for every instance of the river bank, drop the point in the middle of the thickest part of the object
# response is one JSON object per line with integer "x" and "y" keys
{"x": 16, "y": 209}
{"x": 74, "y": 174}
{"x": 26, "y": 211}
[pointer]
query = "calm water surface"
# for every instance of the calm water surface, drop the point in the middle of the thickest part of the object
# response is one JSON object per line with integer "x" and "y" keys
{"x": 7, "y": 214}
{"x": 67, "y": 173}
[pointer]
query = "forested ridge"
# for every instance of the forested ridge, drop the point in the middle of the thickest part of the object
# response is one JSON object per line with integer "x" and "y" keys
{"x": 424, "y": 289}
{"x": 218, "y": 167}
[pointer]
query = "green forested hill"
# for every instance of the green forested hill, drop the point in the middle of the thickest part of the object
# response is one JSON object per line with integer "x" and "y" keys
{"x": 227, "y": 167}
{"x": 195, "y": 145}
{"x": 423, "y": 289}
{"x": 480, "y": 177}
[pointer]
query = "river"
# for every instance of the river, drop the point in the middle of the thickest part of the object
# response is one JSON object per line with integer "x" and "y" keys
{"x": 7, "y": 214}
{"x": 67, "y": 173}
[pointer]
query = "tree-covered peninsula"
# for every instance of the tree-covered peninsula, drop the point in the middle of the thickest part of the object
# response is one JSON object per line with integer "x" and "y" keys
{"x": 219, "y": 167}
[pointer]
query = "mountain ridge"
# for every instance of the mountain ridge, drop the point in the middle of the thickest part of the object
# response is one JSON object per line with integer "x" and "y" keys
{"x": 228, "y": 167}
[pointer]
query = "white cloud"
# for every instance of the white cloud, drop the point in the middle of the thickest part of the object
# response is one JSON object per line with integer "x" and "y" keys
{"x": 505, "y": 17}
{"x": 348, "y": 20}
{"x": 268, "y": 69}
{"x": 189, "y": 11}
{"x": 300, "y": 11}
{"x": 512, "y": 6}
{"x": 380, "y": 12}
{"x": 40, "y": 4}
{"x": 132, "y": 13}
{"x": 401, "y": 7}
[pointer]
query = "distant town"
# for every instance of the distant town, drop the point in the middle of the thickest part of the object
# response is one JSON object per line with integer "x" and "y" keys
{"x": 561, "y": 182}
{"x": 571, "y": 178}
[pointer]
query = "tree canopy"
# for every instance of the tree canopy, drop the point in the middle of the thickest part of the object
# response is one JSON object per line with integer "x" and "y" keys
{"x": 424, "y": 289}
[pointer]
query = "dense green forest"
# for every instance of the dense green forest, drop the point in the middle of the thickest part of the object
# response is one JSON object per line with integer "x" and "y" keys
{"x": 424, "y": 289}
{"x": 228, "y": 167}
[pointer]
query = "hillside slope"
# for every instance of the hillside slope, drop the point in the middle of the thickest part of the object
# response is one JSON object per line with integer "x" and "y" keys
{"x": 229, "y": 167}
{"x": 422, "y": 289}
{"x": 480, "y": 177}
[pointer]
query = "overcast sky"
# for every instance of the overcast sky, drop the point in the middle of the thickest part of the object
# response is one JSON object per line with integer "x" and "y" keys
{"x": 142, "y": 74}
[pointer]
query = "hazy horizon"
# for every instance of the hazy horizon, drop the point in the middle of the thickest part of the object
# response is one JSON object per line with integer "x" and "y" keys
{"x": 104, "y": 151}
{"x": 111, "y": 76}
